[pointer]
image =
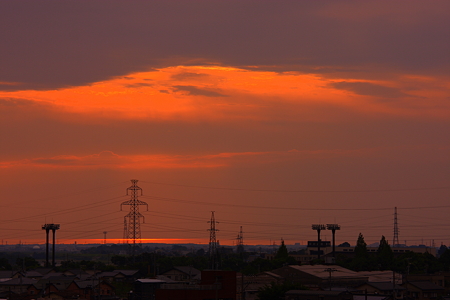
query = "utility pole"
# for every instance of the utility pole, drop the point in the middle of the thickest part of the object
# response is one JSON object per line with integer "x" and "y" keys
{"x": 330, "y": 270}
{"x": 132, "y": 225}
{"x": 213, "y": 259}
{"x": 318, "y": 228}
{"x": 104, "y": 237}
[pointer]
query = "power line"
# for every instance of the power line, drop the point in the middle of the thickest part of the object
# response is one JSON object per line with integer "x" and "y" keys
{"x": 288, "y": 208}
{"x": 302, "y": 191}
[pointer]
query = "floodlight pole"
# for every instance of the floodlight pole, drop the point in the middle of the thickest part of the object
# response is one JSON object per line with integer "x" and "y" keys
{"x": 318, "y": 228}
{"x": 47, "y": 228}
{"x": 333, "y": 228}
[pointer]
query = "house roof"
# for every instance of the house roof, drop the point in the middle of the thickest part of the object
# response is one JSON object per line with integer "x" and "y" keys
{"x": 385, "y": 286}
{"x": 323, "y": 272}
{"x": 77, "y": 272}
{"x": 19, "y": 281}
{"x": 151, "y": 280}
{"x": 426, "y": 285}
{"x": 53, "y": 274}
{"x": 89, "y": 283}
{"x": 313, "y": 292}
{"x": 107, "y": 274}
{"x": 60, "y": 282}
{"x": 33, "y": 273}
{"x": 369, "y": 297}
{"x": 7, "y": 274}
{"x": 188, "y": 270}
{"x": 43, "y": 271}
{"x": 82, "y": 284}
{"x": 165, "y": 278}
{"x": 381, "y": 276}
{"x": 127, "y": 272}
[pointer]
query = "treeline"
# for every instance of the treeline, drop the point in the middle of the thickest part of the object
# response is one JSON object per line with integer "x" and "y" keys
{"x": 151, "y": 262}
{"x": 385, "y": 259}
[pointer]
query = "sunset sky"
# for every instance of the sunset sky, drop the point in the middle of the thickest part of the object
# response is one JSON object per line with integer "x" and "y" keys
{"x": 273, "y": 114}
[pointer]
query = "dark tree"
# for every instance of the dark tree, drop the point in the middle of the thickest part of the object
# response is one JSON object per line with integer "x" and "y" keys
{"x": 4, "y": 264}
{"x": 362, "y": 261}
{"x": 385, "y": 256}
{"x": 361, "y": 247}
{"x": 282, "y": 252}
{"x": 444, "y": 260}
{"x": 27, "y": 263}
{"x": 441, "y": 250}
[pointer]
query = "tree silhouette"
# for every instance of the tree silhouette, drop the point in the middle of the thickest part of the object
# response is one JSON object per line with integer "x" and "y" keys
{"x": 385, "y": 256}
{"x": 361, "y": 262}
{"x": 282, "y": 252}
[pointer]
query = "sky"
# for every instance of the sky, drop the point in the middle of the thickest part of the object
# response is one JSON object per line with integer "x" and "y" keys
{"x": 274, "y": 115}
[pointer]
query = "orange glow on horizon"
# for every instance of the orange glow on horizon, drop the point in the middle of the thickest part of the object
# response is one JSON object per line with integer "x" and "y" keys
{"x": 95, "y": 242}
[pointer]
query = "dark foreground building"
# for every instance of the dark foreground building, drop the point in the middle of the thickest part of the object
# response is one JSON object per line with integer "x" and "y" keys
{"x": 317, "y": 295}
{"x": 213, "y": 285}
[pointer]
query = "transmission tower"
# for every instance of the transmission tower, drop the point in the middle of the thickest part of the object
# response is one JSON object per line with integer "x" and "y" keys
{"x": 395, "y": 241}
{"x": 240, "y": 242}
{"x": 213, "y": 257}
{"x": 132, "y": 224}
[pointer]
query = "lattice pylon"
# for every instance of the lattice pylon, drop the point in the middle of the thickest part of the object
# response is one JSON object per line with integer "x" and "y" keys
{"x": 395, "y": 241}
{"x": 132, "y": 221}
{"x": 240, "y": 241}
{"x": 213, "y": 259}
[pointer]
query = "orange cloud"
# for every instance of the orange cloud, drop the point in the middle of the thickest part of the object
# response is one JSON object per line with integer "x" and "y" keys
{"x": 226, "y": 93}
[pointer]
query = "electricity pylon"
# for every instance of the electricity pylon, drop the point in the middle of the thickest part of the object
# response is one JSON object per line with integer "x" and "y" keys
{"x": 213, "y": 257}
{"x": 240, "y": 242}
{"x": 132, "y": 221}
{"x": 395, "y": 241}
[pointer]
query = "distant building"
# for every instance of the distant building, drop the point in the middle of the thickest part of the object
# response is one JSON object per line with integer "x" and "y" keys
{"x": 248, "y": 286}
{"x": 312, "y": 249}
{"x": 214, "y": 285}
{"x": 317, "y": 295}
{"x": 321, "y": 276}
{"x": 145, "y": 289}
{"x": 423, "y": 290}
{"x": 181, "y": 273}
{"x": 382, "y": 288}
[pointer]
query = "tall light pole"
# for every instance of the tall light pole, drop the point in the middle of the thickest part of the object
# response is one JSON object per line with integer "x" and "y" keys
{"x": 47, "y": 228}
{"x": 333, "y": 228}
{"x": 318, "y": 228}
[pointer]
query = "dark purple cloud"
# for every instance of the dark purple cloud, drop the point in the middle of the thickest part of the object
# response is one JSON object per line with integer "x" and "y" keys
{"x": 138, "y": 85}
{"x": 50, "y": 44}
{"x": 369, "y": 89}
{"x": 195, "y": 91}
{"x": 189, "y": 76}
